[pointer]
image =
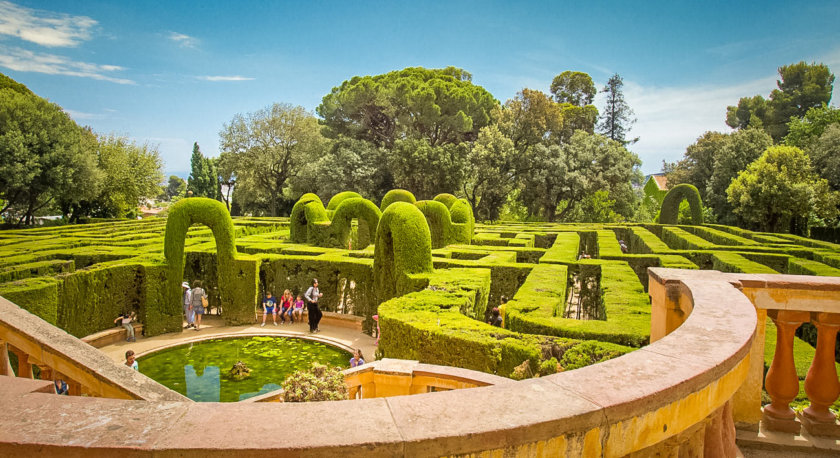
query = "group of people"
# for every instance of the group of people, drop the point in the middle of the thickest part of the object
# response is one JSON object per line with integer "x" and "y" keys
{"x": 293, "y": 308}
{"x": 195, "y": 304}
{"x": 288, "y": 307}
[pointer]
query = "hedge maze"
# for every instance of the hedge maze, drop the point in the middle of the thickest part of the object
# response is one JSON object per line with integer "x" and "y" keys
{"x": 425, "y": 267}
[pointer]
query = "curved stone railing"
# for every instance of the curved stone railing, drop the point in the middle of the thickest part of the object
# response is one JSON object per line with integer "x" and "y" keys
{"x": 671, "y": 395}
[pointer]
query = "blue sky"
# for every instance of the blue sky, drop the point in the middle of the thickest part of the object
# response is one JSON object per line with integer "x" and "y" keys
{"x": 172, "y": 73}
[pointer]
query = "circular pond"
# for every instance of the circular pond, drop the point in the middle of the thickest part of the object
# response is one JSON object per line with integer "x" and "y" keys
{"x": 200, "y": 370}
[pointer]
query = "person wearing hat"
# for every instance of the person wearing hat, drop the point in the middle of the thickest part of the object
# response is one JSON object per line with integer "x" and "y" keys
{"x": 312, "y": 295}
{"x": 187, "y": 301}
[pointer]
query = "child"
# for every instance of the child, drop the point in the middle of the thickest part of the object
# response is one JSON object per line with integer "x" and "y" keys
{"x": 298, "y": 312}
{"x": 357, "y": 359}
{"x": 268, "y": 307}
{"x": 286, "y": 307}
{"x": 129, "y": 360}
{"x": 129, "y": 328}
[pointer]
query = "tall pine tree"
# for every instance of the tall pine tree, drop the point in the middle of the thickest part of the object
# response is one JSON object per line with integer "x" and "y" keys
{"x": 203, "y": 181}
{"x": 617, "y": 119}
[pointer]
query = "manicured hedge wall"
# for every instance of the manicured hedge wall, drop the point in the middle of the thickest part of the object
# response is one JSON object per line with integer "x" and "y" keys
{"x": 39, "y": 296}
{"x": 439, "y": 220}
{"x": 367, "y": 214}
{"x": 403, "y": 247}
{"x": 396, "y": 195}
{"x": 671, "y": 204}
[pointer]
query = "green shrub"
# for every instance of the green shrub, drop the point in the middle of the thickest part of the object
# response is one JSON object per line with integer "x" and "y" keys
{"x": 340, "y": 197}
{"x": 591, "y": 352}
{"x": 299, "y": 221}
{"x": 463, "y": 222}
{"x": 446, "y": 199}
{"x": 318, "y": 383}
{"x": 396, "y": 195}
{"x": 671, "y": 204}
{"x": 403, "y": 247}
{"x": 439, "y": 220}
{"x": 364, "y": 210}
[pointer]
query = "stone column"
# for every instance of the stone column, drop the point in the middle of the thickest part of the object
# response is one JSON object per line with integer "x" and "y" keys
{"x": 24, "y": 368}
{"x": 781, "y": 383}
{"x": 821, "y": 384}
{"x": 5, "y": 362}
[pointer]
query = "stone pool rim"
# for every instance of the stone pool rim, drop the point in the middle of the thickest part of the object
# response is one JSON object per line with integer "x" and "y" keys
{"x": 233, "y": 335}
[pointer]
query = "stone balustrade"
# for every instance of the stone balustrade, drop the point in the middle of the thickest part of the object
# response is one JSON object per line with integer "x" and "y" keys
{"x": 789, "y": 301}
{"x": 673, "y": 397}
{"x": 59, "y": 355}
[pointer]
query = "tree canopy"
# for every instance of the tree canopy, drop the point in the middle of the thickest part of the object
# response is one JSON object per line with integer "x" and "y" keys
{"x": 617, "y": 118}
{"x": 801, "y": 86}
{"x": 441, "y": 106}
{"x": 269, "y": 147}
{"x": 575, "y": 88}
{"x": 779, "y": 187}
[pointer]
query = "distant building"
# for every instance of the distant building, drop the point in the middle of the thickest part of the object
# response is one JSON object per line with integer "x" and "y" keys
{"x": 656, "y": 186}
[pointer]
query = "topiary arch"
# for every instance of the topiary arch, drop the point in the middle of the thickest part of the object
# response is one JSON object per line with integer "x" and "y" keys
{"x": 396, "y": 195}
{"x": 403, "y": 248}
{"x": 308, "y": 210}
{"x": 360, "y": 208}
{"x": 671, "y": 204}
{"x": 182, "y": 215}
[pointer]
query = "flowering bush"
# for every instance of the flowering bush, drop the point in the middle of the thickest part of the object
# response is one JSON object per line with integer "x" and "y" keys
{"x": 318, "y": 383}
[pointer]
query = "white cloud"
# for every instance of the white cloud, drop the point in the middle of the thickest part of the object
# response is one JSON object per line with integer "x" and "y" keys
{"x": 42, "y": 27}
{"x": 669, "y": 119}
{"x": 185, "y": 41}
{"x": 23, "y": 60}
{"x": 225, "y": 78}
{"x": 80, "y": 115}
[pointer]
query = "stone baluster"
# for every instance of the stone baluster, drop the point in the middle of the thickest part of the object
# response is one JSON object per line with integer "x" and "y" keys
{"x": 781, "y": 383}
{"x": 821, "y": 384}
{"x": 24, "y": 368}
{"x": 5, "y": 362}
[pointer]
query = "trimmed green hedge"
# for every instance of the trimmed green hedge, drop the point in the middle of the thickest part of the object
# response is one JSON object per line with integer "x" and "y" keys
{"x": 396, "y": 195}
{"x": 446, "y": 199}
{"x": 364, "y": 210}
{"x": 341, "y": 197}
{"x": 39, "y": 296}
{"x": 403, "y": 247}
{"x": 565, "y": 249}
{"x": 463, "y": 222}
{"x": 439, "y": 220}
{"x": 671, "y": 204}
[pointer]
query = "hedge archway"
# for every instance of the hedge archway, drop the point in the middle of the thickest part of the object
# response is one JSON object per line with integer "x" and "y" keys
{"x": 671, "y": 204}
{"x": 355, "y": 207}
{"x": 307, "y": 210}
{"x": 396, "y": 195}
{"x": 439, "y": 220}
{"x": 182, "y": 215}
{"x": 403, "y": 248}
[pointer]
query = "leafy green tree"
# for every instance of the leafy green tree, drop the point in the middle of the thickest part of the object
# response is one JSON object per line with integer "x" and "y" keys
{"x": 268, "y": 148}
{"x": 41, "y": 155}
{"x": 533, "y": 118}
{"x": 779, "y": 187}
{"x": 698, "y": 162}
{"x": 131, "y": 175}
{"x": 8, "y": 83}
{"x": 427, "y": 170}
{"x": 489, "y": 176}
{"x": 617, "y": 118}
{"x": 346, "y": 164}
{"x": 441, "y": 106}
{"x": 204, "y": 178}
{"x": 825, "y": 155}
{"x": 562, "y": 177}
{"x": 175, "y": 187}
{"x": 803, "y": 131}
{"x": 575, "y": 88}
{"x": 739, "y": 150}
{"x": 226, "y": 169}
{"x": 802, "y": 86}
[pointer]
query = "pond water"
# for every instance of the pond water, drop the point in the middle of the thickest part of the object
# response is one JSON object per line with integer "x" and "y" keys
{"x": 200, "y": 370}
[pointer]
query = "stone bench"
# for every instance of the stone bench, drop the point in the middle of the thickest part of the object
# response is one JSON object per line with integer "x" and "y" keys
{"x": 111, "y": 336}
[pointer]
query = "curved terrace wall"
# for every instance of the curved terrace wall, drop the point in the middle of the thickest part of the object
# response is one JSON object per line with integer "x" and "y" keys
{"x": 679, "y": 387}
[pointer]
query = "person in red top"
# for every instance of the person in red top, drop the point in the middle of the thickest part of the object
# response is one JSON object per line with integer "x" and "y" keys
{"x": 286, "y": 307}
